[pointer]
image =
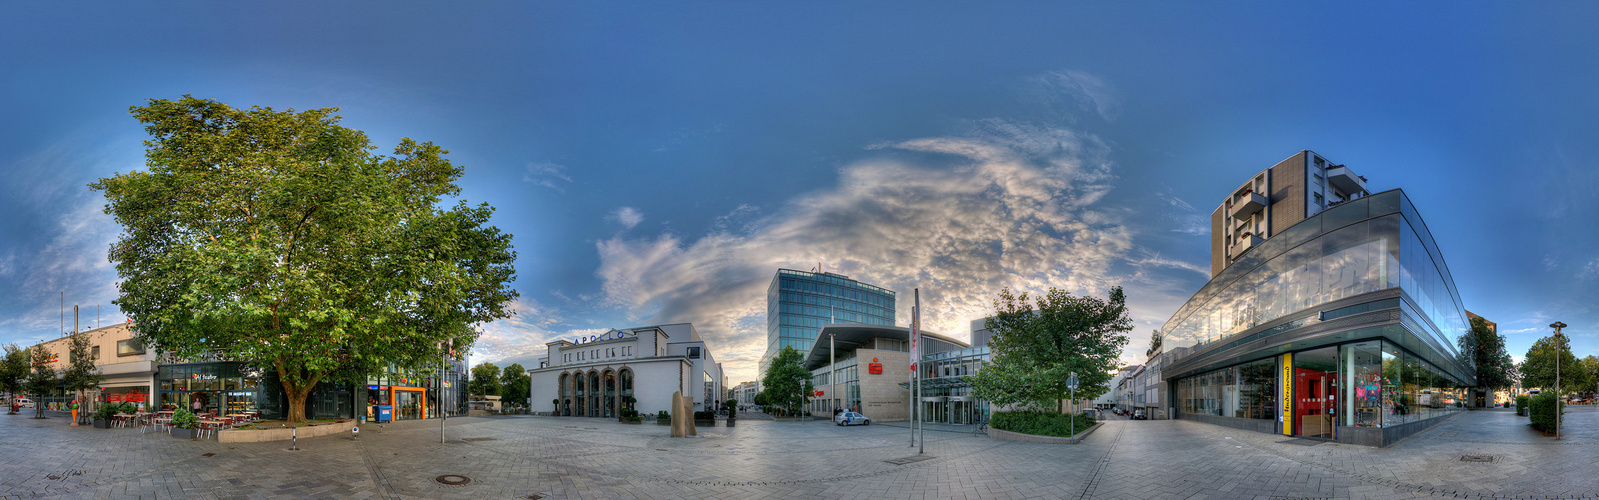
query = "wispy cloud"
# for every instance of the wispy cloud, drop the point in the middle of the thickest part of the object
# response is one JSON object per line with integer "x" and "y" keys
{"x": 1068, "y": 92}
{"x": 547, "y": 174}
{"x": 626, "y": 216}
{"x": 1589, "y": 270}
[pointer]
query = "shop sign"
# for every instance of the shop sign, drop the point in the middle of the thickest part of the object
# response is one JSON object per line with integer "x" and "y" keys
{"x": 197, "y": 376}
{"x": 1287, "y": 381}
{"x": 874, "y": 368}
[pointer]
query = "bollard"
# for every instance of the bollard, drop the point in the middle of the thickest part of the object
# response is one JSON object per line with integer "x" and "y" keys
{"x": 294, "y": 439}
{"x": 355, "y": 433}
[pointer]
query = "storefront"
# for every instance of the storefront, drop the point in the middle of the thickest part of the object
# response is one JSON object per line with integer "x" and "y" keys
{"x": 218, "y": 387}
{"x": 415, "y": 394}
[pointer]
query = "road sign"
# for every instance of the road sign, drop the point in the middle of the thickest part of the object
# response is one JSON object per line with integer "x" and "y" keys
{"x": 1071, "y": 382}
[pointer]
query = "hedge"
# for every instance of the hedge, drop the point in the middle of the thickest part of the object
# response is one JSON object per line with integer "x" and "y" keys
{"x": 1521, "y": 405}
{"x": 1040, "y": 423}
{"x": 1543, "y": 412}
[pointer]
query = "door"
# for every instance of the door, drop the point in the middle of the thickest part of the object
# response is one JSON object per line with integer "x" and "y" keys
{"x": 1315, "y": 392}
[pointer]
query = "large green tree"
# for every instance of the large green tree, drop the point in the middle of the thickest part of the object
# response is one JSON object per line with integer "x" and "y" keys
{"x": 787, "y": 383}
{"x": 279, "y": 237}
{"x": 1538, "y": 368}
{"x": 1038, "y": 344}
{"x": 13, "y": 371}
{"x": 81, "y": 373}
{"x": 1591, "y": 364}
{"x": 41, "y": 378}
{"x": 1484, "y": 349}
{"x": 515, "y": 384}
{"x": 485, "y": 380}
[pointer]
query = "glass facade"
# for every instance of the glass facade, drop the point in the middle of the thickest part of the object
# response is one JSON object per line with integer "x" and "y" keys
{"x": 1371, "y": 383}
{"x": 1381, "y": 376}
{"x": 219, "y": 387}
{"x": 946, "y": 393}
{"x": 798, "y": 303}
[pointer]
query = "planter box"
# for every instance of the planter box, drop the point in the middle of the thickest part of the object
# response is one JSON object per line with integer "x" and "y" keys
{"x": 730, "y": 422}
{"x": 663, "y": 421}
{"x": 182, "y": 433}
{"x": 1029, "y": 438}
{"x": 705, "y": 423}
{"x": 633, "y": 422}
{"x": 101, "y": 423}
{"x": 283, "y": 433}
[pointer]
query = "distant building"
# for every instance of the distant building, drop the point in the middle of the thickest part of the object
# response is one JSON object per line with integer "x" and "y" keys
{"x": 799, "y": 303}
{"x": 746, "y": 392}
{"x": 1275, "y": 199}
{"x": 636, "y": 368}
{"x": 128, "y": 368}
{"x": 869, "y": 367}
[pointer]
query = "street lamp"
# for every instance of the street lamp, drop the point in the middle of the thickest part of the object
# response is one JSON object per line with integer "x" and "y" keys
{"x": 1559, "y": 343}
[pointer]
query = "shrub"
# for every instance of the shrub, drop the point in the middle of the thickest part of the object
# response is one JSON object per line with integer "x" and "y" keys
{"x": 106, "y": 411}
{"x": 184, "y": 419}
{"x": 1521, "y": 405}
{"x": 705, "y": 415}
{"x": 663, "y": 415}
{"x": 1040, "y": 423}
{"x": 1543, "y": 412}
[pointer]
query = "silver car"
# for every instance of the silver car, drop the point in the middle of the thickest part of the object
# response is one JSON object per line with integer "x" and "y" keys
{"x": 852, "y": 418}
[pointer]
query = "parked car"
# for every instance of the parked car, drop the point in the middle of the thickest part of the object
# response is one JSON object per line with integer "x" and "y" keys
{"x": 852, "y": 418}
{"x": 1139, "y": 415}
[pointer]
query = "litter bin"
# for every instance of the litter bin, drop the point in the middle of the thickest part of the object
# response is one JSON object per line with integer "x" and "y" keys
{"x": 385, "y": 413}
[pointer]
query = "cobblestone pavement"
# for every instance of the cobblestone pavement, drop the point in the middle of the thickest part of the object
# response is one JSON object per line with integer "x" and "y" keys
{"x": 565, "y": 457}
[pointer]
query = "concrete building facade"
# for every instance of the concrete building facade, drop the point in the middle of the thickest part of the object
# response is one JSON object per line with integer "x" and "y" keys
{"x": 635, "y": 368}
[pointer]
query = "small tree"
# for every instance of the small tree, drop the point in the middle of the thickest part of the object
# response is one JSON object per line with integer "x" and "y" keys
{"x": 485, "y": 380}
{"x": 81, "y": 374}
{"x": 1154, "y": 344}
{"x": 41, "y": 378}
{"x": 1038, "y": 344}
{"x": 787, "y": 383}
{"x": 13, "y": 370}
{"x": 515, "y": 384}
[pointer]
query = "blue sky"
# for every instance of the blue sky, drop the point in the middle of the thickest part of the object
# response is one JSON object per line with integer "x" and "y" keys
{"x": 657, "y": 162}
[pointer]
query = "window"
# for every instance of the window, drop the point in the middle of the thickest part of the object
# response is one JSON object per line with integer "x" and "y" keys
{"x": 694, "y": 353}
{"x": 1319, "y": 201}
{"x": 95, "y": 353}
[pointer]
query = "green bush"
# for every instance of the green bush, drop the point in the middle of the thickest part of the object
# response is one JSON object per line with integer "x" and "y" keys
{"x": 106, "y": 411}
{"x": 705, "y": 415}
{"x": 184, "y": 419}
{"x": 663, "y": 415}
{"x": 1543, "y": 412}
{"x": 1521, "y": 405}
{"x": 1040, "y": 423}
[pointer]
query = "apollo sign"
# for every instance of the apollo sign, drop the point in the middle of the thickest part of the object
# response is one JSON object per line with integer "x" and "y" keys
{"x": 611, "y": 335}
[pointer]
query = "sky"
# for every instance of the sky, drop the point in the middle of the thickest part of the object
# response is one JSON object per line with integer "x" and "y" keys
{"x": 658, "y": 162}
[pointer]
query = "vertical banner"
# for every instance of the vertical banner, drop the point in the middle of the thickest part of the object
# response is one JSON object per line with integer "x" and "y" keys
{"x": 1286, "y": 414}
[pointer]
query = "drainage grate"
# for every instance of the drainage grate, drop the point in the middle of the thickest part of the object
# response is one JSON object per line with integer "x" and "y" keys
{"x": 1449, "y": 434}
{"x": 453, "y": 480}
{"x": 660, "y": 449}
{"x": 1477, "y": 458}
{"x": 209, "y": 455}
{"x": 906, "y": 460}
{"x": 477, "y": 439}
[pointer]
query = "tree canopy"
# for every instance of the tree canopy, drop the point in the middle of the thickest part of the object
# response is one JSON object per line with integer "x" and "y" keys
{"x": 41, "y": 377}
{"x": 13, "y": 369}
{"x": 515, "y": 384}
{"x": 485, "y": 380}
{"x": 1484, "y": 349}
{"x": 787, "y": 382}
{"x": 81, "y": 373}
{"x": 1538, "y": 369}
{"x": 278, "y": 237}
{"x": 1038, "y": 344}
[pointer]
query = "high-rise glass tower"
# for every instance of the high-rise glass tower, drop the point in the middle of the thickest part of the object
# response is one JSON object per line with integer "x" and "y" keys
{"x": 798, "y": 303}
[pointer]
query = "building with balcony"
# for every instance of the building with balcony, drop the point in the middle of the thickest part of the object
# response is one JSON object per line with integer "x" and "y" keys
{"x": 1275, "y": 199}
{"x": 798, "y": 303}
{"x": 1340, "y": 326}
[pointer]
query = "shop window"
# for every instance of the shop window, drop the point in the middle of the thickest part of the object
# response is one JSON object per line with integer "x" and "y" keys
{"x": 129, "y": 347}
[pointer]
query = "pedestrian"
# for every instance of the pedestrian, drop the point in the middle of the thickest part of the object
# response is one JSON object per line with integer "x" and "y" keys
{"x": 196, "y": 405}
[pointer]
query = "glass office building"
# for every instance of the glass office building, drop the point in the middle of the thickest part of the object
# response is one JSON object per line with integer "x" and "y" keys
{"x": 1340, "y": 327}
{"x": 798, "y": 303}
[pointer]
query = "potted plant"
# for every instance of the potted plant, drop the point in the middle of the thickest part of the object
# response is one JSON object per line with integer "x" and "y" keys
{"x": 732, "y": 411}
{"x": 663, "y": 418}
{"x": 183, "y": 424}
{"x": 102, "y": 416}
{"x": 631, "y": 417}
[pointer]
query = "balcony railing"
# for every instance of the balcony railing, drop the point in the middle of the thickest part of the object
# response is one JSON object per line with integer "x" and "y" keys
{"x": 1346, "y": 181}
{"x": 1246, "y": 205}
{"x": 1245, "y": 243}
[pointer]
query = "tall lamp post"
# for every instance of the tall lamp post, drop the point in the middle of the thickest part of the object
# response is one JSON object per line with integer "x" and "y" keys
{"x": 1559, "y": 349}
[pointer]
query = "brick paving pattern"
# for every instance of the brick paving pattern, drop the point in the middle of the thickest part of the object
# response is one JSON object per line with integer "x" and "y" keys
{"x": 564, "y": 457}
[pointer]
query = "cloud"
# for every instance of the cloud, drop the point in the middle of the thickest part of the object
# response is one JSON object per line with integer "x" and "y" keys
{"x": 626, "y": 216}
{"x": 1068, "y": 91}
{"x": 1017, "y": 209}
{"x": 1148, "y": 258}
{"x": 521, "y": 337}
{"x": 1589, "y": 270}
{"x": 548, "y": 175}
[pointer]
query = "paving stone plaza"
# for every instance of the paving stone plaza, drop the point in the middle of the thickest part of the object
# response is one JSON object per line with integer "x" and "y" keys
{"x": 518, "y": 457}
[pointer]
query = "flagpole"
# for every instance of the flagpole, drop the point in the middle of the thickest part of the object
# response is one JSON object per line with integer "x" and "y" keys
{"x": 916, "y": 315}
{"x": 911, "y": 382}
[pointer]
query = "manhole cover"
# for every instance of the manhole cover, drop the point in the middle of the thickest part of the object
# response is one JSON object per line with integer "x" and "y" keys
{"x": 453, "y": 480}
{"x": 906, "y": 460}
{"x": 477, "y": 439}
{"x": 1477, "y": 458}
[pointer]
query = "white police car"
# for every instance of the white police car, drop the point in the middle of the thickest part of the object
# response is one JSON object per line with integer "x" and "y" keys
{"x": 852, "y": 418}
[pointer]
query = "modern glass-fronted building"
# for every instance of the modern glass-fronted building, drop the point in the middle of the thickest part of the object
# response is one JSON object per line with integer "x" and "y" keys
{"x": 798, "y": 303}
{"x": 1341, "y": 326}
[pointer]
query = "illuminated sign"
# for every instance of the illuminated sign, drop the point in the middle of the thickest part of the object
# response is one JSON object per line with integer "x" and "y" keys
{"x": 1287, "y": 382}
{"x": 874, "y": 368}
{"x": 611, "y": 335}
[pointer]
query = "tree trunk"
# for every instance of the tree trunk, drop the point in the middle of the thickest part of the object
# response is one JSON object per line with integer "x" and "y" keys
{"x": 297, "y": 396}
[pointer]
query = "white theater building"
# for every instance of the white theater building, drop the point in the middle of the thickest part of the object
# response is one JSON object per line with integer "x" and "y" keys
{"x": 637, "y": 368}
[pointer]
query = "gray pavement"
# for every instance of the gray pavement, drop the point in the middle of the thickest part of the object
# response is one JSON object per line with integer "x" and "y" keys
{"x": 566, "y": 457}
